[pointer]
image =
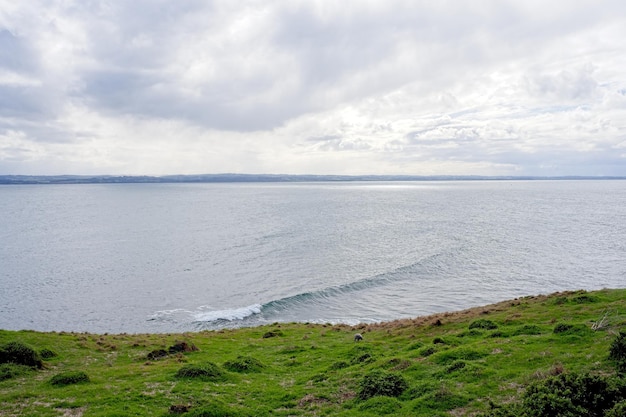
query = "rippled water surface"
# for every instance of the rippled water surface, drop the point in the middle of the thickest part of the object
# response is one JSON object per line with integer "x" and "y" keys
{"x": 172, "y": 257}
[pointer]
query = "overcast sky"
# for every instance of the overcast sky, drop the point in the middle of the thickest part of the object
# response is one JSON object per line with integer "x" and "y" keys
{"x": 313, "y": 87}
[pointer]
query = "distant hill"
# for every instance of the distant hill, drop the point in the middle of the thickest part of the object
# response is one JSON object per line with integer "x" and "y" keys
{"x": 222, "y": 178}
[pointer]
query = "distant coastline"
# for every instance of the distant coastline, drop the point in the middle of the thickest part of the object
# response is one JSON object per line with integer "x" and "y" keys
{"x": 242, "y": 178}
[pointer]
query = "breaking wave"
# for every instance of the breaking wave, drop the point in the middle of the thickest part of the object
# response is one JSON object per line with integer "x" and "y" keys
{"x": 278, "y": 310}
{"x": 229, "y": 315}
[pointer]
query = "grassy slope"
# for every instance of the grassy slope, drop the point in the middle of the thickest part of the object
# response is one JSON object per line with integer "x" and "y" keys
{"x": 316, "y": 369}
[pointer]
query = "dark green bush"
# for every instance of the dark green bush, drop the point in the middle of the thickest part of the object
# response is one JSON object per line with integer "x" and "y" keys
{"x": 206, "y": 371}
{"x": 272, "y": 333}
{"x": 572, "y": 394}
{"x": 69, "y": 378}
{"x": 427, "y": 351}
{"x": 21, "y": 354}
{"x": 571, "y": 329}
{"x": 618, "y": 410}
{"x": 562, "y": 328}
{"x": 244, "y": 364}
{"x": 47, "y": 353}
{"x": 483, "y": 324}
{"x": 617, "y": 351}
{"x": 157, "y": 354}
{"x": 568, "y": 395}
{"x": 585, "y": 299}
{"x": 381, "y": 383}
{"x": 12, "y": 370}
{"x": 182, "y": 347}
{"x": 362, "y": 358}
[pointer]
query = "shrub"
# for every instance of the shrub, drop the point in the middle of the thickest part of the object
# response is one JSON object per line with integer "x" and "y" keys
{"x": 362, "y": 358}
{"x": 618, "y": 410}
{"x": 571, "y": 329}
{"x": 585, "y": 299}
{"x": 483, "y": 324}
{"x": 427, "y": 351}
{"x": 181, "y": 347}
{"x": 569, "y": 395}
{"x": 20, "y": 354}
{"x": 562, "y": 328}
{"x": 272, "y": 333}
{"x": 381, "y": 383}
{"x": 157, "y": 354}
{"x": 179, "y": 408}
{"x": 12, "y": 370}
{"x": 244, "y": 364}
{"x": 47, "y": 353}
{"x": 617, "y": 351}
{"x": 69, "y": 378}
{"x": 207, "y": 371}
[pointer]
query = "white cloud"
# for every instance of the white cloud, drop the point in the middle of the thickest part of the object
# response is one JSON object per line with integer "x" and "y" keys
{"x": 155, "y": 87}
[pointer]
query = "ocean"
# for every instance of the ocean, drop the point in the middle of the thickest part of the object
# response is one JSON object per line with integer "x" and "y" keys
{"x": 140, "y": 258}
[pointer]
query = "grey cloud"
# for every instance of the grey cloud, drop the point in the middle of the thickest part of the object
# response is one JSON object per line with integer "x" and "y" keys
{"x": 336, "y": 59}
{"x": 338, "y": 55}
{"x": 569, "y": 84}
{"x": 16, "y": 54}
{"x": 20, "y": 95}
{"x": 435, "y": 80}
{"x": 23, "y": 102}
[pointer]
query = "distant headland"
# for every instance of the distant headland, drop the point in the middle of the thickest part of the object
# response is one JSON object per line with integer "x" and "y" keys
{"x": 228, "y": 178}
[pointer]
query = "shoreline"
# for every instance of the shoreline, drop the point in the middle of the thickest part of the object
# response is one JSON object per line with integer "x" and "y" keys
{"x": 448, "y": 316}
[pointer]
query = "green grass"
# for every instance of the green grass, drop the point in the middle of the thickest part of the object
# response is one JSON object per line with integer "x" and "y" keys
{"x": 461, "y": 363}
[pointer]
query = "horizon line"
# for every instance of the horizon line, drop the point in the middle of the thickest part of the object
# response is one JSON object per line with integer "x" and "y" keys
{"x": 240, "y": 177}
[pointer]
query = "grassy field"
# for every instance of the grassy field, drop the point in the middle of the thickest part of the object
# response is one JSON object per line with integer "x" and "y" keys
{"x": 461, "y": 364}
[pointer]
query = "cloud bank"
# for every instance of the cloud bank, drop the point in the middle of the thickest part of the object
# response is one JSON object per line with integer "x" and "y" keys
{"x": 313, "y": 87}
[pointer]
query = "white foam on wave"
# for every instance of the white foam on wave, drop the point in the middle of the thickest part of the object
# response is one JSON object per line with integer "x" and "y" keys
{"x": 167, "y": 314}
{"x": 229, "y": 315}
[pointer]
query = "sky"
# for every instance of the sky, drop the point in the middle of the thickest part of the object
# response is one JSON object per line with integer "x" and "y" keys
{"x": 313, "y": 87}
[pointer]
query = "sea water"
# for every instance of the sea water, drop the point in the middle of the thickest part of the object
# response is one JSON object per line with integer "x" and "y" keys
{"x": 182, "y": 257}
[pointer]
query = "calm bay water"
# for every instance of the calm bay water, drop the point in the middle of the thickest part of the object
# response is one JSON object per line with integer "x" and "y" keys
{"x": 177, "y": 257}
